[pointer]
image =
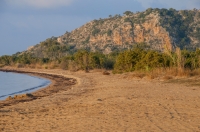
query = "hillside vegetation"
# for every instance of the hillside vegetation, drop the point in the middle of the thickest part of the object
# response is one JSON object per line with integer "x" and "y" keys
{"x": 160, "y": 29}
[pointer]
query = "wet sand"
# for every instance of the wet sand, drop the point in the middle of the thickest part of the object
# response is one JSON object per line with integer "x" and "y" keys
{"x": 97, "y": 102}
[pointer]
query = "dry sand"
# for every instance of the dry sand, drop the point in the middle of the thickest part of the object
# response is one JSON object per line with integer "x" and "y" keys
{"x": 107, "y": 103}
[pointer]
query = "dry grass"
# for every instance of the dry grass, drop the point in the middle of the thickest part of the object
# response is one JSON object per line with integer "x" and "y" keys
{"x": 73, "y": 67}
{"x": 164, "y": 73}
{"x": 174, "y": 72}
{"x": 2, "y": 65}
{"x": 98, "y": 70}
{"x": 38, "y": 66}
{"x": 195, "y": 72}
{"x": 53, "y": 65}
{"x": 194, "y": 81}
{"x": 63, "y": 65}
{"x": 33, "y": 66}
{"x": 152, "y": 76}
{"x": 167, "y": 77}
{"x": 139, "y": 75}
{"x": 18, "y": 65}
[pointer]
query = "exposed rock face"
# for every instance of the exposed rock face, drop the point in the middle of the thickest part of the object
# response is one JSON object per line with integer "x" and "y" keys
{"x": 159, "y": 29}
{"x": 117, "y": 33}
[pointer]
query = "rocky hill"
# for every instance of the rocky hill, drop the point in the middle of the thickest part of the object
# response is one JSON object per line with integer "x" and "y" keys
{"x": 159, "y": 29}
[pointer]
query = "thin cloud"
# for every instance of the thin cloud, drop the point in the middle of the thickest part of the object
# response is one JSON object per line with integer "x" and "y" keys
{"x": 183, "y": 4}
{"x": 40, "y": 3}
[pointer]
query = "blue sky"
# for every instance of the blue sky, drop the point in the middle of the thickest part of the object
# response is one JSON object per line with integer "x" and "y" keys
{"x": 24, "y": 23}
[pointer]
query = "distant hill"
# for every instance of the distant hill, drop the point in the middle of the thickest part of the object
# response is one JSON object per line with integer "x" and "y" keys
{"x": 158, "y": 29}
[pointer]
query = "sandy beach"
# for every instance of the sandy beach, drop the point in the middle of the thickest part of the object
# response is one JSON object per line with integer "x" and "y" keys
{"x": 82, "y": 102}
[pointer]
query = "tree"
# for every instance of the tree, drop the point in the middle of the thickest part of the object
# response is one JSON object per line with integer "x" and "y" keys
{"x": 128, "y": 13}
{"x": 6, "y": 60}
{"x": 82, "y": 59}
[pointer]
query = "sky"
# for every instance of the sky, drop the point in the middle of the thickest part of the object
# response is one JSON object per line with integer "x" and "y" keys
{"x": 24, "y": 23}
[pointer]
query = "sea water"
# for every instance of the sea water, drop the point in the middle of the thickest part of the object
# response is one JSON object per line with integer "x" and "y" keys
{"x": 15, "y": 83}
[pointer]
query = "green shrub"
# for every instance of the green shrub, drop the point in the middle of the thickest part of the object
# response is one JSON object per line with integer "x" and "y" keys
{"x": 109, "y": 32}
{"x": 95, "y": 31}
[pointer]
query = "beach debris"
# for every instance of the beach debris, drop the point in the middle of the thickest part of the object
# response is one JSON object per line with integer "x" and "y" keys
{"x": 9, "y": 98}
{"x": 27, "y": 95}
{"x": 99, "y": 100}
{"x": 106, "y": 73}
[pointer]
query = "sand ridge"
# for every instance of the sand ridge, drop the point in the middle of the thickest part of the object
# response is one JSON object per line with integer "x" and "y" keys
{"x": 107, "y": 103}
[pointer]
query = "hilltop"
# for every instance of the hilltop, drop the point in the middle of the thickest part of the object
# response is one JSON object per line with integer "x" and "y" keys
{"x": 158, "y": 29}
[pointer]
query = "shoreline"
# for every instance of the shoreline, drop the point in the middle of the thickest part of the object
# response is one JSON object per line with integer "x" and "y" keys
{"x": 57, "y": 83}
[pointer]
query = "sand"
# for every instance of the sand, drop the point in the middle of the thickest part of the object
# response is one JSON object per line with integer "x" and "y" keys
{"x": 107, "y": 103}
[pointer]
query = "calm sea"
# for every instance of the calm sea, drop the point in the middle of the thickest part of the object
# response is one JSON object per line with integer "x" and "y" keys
{"x": 15, "y": 83}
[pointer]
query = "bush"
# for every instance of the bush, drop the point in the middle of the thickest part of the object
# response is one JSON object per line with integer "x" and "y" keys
{"x": 109, "y": 32}
{"x": 140, "y": 59}
{"x": 127, "y": 20}
{"x": 95, "y": 31}
{"x": 128, "y": 13}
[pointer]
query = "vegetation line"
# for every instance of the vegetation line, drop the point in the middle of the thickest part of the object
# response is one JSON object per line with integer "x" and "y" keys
{"x": 136, "y": 59}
